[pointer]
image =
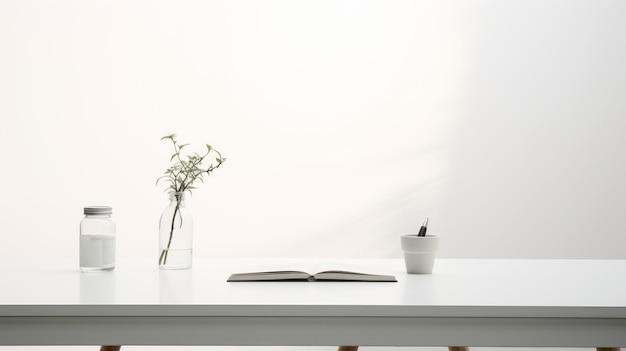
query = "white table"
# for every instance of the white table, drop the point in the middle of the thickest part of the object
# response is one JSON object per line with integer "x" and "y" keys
{"x": 561, "y": 303}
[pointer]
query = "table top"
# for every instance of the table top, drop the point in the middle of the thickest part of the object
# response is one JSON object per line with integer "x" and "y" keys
{"x": 457, "y": 287}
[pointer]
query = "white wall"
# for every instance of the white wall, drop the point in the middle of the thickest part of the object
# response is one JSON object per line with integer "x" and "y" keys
{"x": 345, "y": 123}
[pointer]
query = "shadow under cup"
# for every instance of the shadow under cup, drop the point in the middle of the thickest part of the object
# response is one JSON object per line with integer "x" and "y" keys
{"x": 419, "y": 252}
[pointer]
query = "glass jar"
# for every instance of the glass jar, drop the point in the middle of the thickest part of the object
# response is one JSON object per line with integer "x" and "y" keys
{"x": 97, "y": 239}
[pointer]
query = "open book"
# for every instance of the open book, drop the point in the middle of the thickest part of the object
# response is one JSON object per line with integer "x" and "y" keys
{"x": 307, "y": 272}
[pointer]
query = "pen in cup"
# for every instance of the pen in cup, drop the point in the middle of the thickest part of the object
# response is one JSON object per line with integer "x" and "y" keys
{"x": 424, "y": 227}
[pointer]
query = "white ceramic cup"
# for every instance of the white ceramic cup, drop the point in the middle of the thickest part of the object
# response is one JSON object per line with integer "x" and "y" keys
{"x": 419, "y": 252}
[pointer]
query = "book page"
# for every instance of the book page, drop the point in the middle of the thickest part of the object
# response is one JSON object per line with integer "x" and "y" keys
{"x": 275, "y": 268}
{"x": 343, "y": 266}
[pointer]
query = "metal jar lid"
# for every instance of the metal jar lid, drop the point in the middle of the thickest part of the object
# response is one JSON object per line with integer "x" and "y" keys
{"x": 98, "y": 210}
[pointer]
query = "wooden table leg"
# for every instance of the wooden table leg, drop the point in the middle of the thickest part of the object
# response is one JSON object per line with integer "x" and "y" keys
{"x": 347, "y": 348}
{"x": 458, "y": 348}
{"x": 110, "y": 348}
{"x": 607, "y": 348}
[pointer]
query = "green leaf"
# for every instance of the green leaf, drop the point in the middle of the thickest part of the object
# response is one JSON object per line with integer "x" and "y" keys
{"x": 184, "y": 171}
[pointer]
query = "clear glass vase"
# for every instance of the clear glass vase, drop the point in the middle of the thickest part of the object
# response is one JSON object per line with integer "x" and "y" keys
{"x": 175, "y": 234}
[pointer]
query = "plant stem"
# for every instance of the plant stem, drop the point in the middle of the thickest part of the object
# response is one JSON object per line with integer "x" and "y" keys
{"x": 164, "y": 253}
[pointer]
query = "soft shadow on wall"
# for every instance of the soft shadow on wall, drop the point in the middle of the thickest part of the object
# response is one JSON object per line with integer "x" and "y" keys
{"x": 538, "y": 163}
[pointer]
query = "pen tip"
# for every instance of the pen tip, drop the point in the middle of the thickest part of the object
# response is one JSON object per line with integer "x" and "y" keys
{"x": 425, "y": 224}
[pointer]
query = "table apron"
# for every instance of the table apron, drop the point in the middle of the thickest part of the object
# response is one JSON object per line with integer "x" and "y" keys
{"x": 310, "y": 331}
